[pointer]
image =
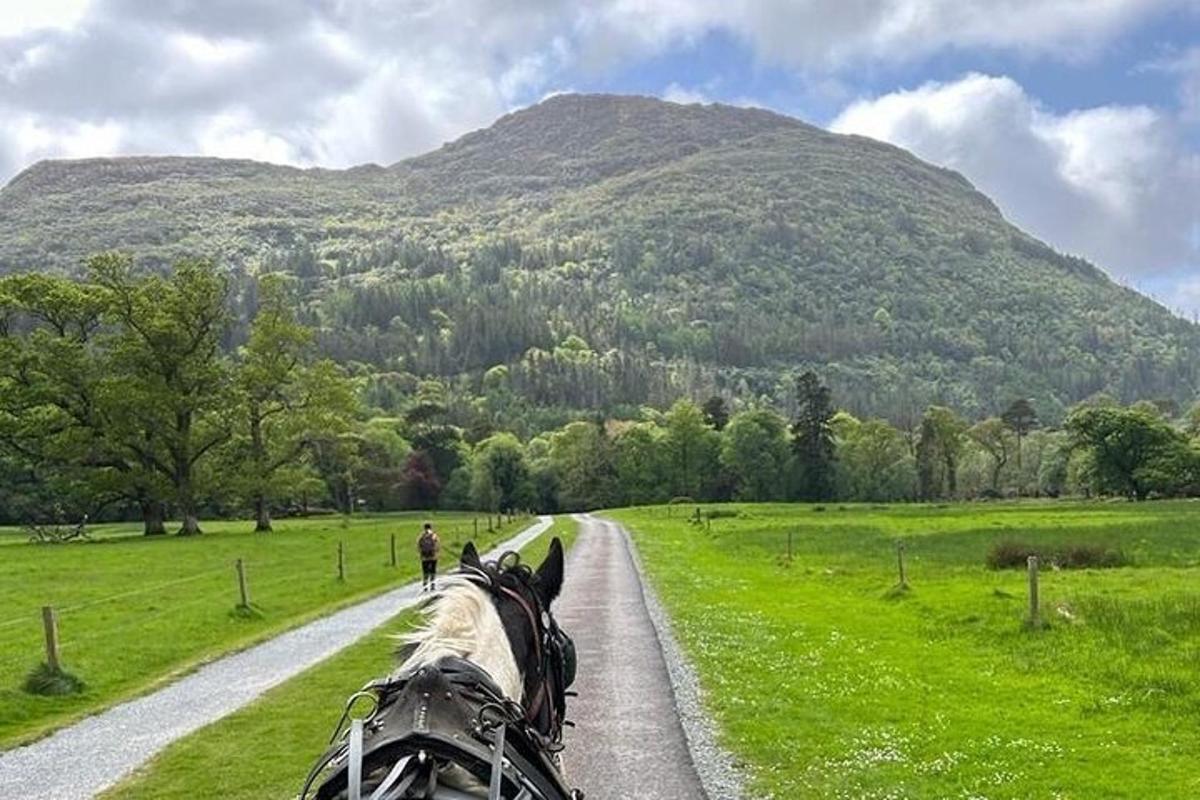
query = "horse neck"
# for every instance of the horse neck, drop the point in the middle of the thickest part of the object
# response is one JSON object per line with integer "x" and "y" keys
{"x": 463, "y": 622}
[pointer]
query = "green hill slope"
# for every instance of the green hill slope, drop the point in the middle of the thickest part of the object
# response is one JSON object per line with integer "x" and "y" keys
{"x": 687, "y": 249}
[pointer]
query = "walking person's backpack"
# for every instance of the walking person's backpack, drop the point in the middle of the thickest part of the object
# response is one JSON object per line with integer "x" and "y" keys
{"x": 427, "y": 544}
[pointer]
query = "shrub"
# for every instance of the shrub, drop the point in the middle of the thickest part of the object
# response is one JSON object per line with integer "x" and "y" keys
{"x": 46, "y": 681}
{"x": 1071, "y": 555}
{"x": 1009, "y": 555}
{"x": 682, "y": 500}
{"x": 1085, "y": 556}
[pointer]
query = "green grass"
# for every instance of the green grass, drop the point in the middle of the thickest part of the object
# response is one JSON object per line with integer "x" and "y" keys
{"x": 266, "y": 749}
{"x": 827, "y": 683}
{"x": 136, "y": 611}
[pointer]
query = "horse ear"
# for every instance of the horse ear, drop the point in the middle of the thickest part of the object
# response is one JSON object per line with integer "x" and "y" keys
{"x": 550, "y": 573}
{"x": 470, "y": 556}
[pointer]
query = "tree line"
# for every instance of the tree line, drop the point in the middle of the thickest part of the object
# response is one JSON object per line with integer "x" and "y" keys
{"x": 130, "y": 394}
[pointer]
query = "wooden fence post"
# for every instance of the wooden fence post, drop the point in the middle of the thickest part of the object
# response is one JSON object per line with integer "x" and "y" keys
{"x": 900, "y": 565}
{"x": 341, "y": 561}
{"x": 789, "y": 545}
{"x": 243, "y": 589}
{"x": 1034, "y": 611}
{"x": 475, "y": 520}
{"x": 50, "y": 623}
{"x": 393, "y": 550}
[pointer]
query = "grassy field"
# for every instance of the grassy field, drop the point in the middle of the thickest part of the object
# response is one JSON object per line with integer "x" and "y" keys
{"x": 266, "y": 749}
{"x": 135, "y": 611}
{"x": 828, "y": 683}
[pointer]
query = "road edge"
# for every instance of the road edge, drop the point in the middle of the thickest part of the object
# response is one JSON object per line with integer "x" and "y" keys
{"x": 717, "y": 768}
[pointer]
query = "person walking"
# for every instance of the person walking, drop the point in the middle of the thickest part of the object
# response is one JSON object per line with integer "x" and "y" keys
{"x": 429, "y": 547}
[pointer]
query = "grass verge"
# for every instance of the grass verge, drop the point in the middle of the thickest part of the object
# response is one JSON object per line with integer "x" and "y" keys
{"x": 136, "y": 612}
{"x": 827, "y": 682}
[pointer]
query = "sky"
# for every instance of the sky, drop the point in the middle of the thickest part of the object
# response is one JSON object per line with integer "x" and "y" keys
{"x": 1080, "y": 118}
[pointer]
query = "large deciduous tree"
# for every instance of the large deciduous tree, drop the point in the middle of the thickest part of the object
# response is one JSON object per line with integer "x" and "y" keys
{"x": 943, "y": 439}
{"x": 582, "y": 457}
{"x": 874, "y": 463}
{"x": 1133, "y": 451}
{"x": 754, "y": 452}
{"x": 500, "y": 474}
{"x": 641, "y": 464}
{"x": 284, "y": 397}
{"x": 992, "y": 436}
{"x": 690, "y": 446}
{"x": 169, "y": 378}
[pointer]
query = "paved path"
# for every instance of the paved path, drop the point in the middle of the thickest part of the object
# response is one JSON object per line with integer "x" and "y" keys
{"x": 84, "y": 759}
{"x": 628, "y": 741}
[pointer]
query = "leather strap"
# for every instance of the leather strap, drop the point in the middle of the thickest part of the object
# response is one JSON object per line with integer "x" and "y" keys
{"x": 381, "y": 791}
{"x": 497, "y": 780}
{"x": 354, "y": 767}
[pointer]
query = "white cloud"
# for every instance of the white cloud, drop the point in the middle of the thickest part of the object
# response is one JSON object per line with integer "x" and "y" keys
{"x": 1116, "y": 183}
{"x": 339, "y": 82}
{"x": 1185, "y": 66}
{"x": 676, "y": 93}
{"x": 305, "y": 83}
{"x": 822, "y": 35}
{"x": 22, "y": 16}
{"x": 403, "y": 77}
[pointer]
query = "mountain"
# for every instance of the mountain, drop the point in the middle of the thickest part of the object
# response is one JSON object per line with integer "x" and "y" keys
{"x": 613, "y": 251}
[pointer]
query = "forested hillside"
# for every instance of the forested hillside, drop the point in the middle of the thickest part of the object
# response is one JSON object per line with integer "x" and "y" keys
{"x": 597, "y": 253}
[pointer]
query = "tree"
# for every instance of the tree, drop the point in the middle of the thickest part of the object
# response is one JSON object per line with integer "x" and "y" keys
{"x": 582, "y": 458}
{"x": 927, "y": 449}
{"x": 754, "y": 451}
{"x": 283, "y": 399}
{"x": 1020, "y": 418}
{"x": 812, "y": 439}
{"x": 168, "y": 379}
{"x": 1133, "y": 451}
{"x": 992, "y": 437}
{"x": 52, "y": 416}
{"x": 428, "y": 427}
{"x": 716, "y": 412}
{"x": 419, "y": 481}
{"x": 947, "y": 430}
{"x": 500, "y": 475}
{"x": 873, "y": 463}
{"x": 690, "y": 447}
{"x": 1191, "y": 422}
{"x": 641, "y": 464}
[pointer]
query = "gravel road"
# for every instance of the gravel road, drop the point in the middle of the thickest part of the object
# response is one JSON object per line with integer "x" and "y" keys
{"x": 628, "y": 741}
{"x": 89, "y": 756}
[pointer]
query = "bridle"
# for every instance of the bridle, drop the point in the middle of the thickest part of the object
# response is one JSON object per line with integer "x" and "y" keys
{"x": 452, "y": 712}
{"x": 554, "y": 652}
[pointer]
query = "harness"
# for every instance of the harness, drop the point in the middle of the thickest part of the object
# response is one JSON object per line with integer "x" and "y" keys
{"x": 452, "y": 713}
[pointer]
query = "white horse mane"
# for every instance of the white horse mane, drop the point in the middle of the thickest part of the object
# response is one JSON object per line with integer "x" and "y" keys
{"x": 462, "y": 621}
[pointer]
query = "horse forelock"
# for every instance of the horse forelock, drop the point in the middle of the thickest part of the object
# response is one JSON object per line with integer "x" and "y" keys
{"x": 462, "y": 621}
